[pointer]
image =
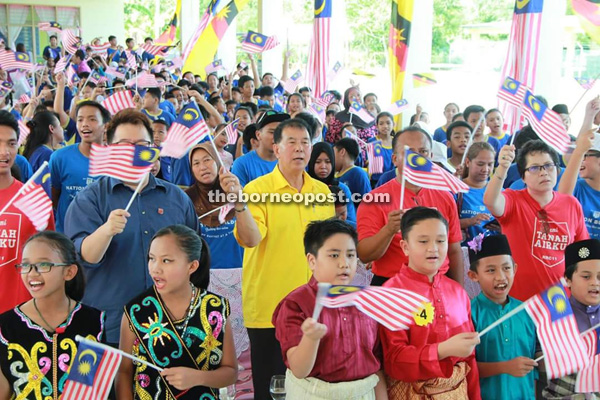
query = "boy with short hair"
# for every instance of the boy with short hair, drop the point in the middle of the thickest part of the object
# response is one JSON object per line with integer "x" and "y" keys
{"x": 436, "y": 355}
{"x": 495, "y": 121}
{"x": 505, "y": 356}
{"x": 458, "y": 134}
{"x": 151, "y": 106}
{"x": 346, "y": 152}
{"x": 339, "y": 357}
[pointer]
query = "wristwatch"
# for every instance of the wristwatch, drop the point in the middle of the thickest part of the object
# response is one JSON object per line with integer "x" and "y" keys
{"x": 242, "y": 210}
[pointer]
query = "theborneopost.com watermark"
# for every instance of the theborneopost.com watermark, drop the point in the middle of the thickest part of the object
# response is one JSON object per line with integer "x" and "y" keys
{"x": 307, "y": 199}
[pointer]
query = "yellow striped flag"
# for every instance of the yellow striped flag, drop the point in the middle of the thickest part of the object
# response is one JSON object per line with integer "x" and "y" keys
{"x": 167, "y": 38}
{"x": 399, "y": 38}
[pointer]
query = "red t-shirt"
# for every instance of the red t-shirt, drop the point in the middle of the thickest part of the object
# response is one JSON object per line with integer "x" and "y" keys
{"x": 371, "y": 217}
{"x": 538, "y": 238}
{"x": 15, "y": 229}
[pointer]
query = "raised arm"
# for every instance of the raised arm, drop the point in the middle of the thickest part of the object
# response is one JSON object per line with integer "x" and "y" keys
{"x": 59, "y": 99}
{"x": 257, "y": 81}
{"x": 493, "y": 197}
{"x": 286, "y": 66}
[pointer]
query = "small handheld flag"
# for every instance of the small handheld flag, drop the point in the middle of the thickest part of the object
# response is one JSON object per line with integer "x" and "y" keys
{"x": 423, "y": 79}
{"x": 357, "y": 109}
{"x": 398, "y": 107}
{"x": 231, "y": 131}
{"x": 513, "y": 92}
{"x": 546, "y": 123}
{"x": 255, "y": 42}
{"x": 100, "y": 48}
{"x": 331, "y": 75}
{"x": 214, "y": 66}
{"x": 126, "y": 162}
{"x": 224, "y": 211}
{"x": 24, "y": 99}
{"x": 421, "y": 171}
{"x": 187, "y": 130}
{"x": 61, "y": 64}
{"x": 51, "y": 26}
{"x": 393, "y": 308}
{"x": 71, "y": 43}
{"x": 143, "y": 80}
{"x": 291, "y": 84}
{"x": 118, "y": 72}
{"x": 119, "y": 101}
{"x": 375, "y": 158}
{"x": 586, "y": 83}
{"x": 10, "y": 60}
{"x": 23, "y": 132}
{"x": 588, "y": 378}
{"x": 33, "y": 200}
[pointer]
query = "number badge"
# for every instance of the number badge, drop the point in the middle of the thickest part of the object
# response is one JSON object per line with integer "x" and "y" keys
{"x": 424, "y": 315}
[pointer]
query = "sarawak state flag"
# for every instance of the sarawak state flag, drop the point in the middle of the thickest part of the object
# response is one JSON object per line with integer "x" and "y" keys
{"x": 399, "y": 38}
{"x": 168, "y": 36}
{"x": 589, "y": 16}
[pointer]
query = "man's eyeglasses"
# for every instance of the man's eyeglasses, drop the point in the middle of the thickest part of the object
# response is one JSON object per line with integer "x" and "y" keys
{"x": 146, "y": 143}
{"x": 536, "y": 169}
{"x": 594, "y": 154}
{"x": 41, "y": 268}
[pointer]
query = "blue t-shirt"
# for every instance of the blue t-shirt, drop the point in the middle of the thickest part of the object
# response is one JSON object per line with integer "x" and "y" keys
{"x": 386, "y": 177}
{"x": 181, "y": 173}
{"x": 70, "y": 133}
{"x": 357, "y": 181}
{"x": 168, "y": 117}
{"x": 350, "y": 208}
{"x": 512, "y": 175}
{"x": 516, "y": 337}
{"x": 250, "y": 166}
{"x": 386, "y": 153}
{"x": 166, "y": 165}
{"x": 503, "y": 139}
{"x": 439, "y": 135}
{"x": 221, "y": 241}
{"x": 117, "y": 56}
{"x": 167, "y": 106}
{"x": 472, "y": 204}
{"x": 590, "y": 203}
{"x": 49, "y": 52}
{"x": 24, "y": 167}
{"x": 495, "y": 143}
{"x": 37, "y": 158}
{"x": 69, "y": 172}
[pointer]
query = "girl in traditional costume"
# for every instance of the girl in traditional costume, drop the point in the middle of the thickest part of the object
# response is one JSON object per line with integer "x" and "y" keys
{"x": 177, "y": 325}
{"x": 37, "y": 338}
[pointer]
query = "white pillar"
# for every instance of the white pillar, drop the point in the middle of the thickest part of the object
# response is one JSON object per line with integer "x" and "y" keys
{"x": 271, "y": 21}
{"x": 190, "y": 17}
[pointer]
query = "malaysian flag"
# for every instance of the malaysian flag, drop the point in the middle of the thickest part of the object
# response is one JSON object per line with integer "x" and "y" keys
{"x": 126, "y": 162}
{"x": 143, "y": 80}
{"x": 398, "y": 107}
{"x": 318, "y": 111}
{"x": 231, "y": 131}
{"x": 174, "y": 63}
{"x": 95, "y": 77}
{"x": 91, "y": 374}
{"x": 391, "y": 307}
{"x": 420, "y": 171}
{"x": 71, "y": 74}
{"x": 513, "y": 92}
{"x": 187, "y": 130}
{"x": 255, "y": 42}
{"x": 23, "y": 132}
{"x": 62, "y": 64}
{"x": 33, "y": 200}
{"x": 24, "y": 99}
{"x": 224, "y": 211}
{"x": 118, "y": 72}
{"x": 10, "y": 61}
{"x": 588, "y": 378}
{"x": 153, "y": 49}
{"x": 546, "y": 123}
{"x": 131, "y": 60}
{"x": 318, "y": 53}
{"x": 357, "y": 109}
{"x": 214, "y": 66}
{"x": 586, "y": 83}
{"x": 100, "y": 48}
{"x": 334, "y": 72}
{"x": 375, "y": 158}
{"x": 119, "y": 101}
{"x": 557, "y": 331}
{"x": 51, "y": 26}
{"x": 522, "y": 55}
{"x": 291, "y": 84}
{"x": 324, "y": 100}
{"x": 71, "y": 43}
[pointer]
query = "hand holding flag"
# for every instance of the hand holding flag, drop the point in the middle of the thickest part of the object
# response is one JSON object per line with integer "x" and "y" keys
{"x": 421, "y": 171}
{"x": 357, "y": 109}
{"x": 125, "y": 162}
{"x": 187, "y": 130}
{"x": 231, "y": 131}
{"x": 119, "y": 101}
{"x": 291, "y": 84}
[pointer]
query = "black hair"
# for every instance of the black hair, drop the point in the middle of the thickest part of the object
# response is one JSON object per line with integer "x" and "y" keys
{"x": 340, "y": 198}
{"x": 367, "y": 95}
{"x": 213, "y": 101}
{"x": 297, "y": 95}
{"x": 330, "y": 112}
{"x": 128, "y": 40}
{"x": 195, "y": 249}
{"x": 265, "y": 75}
{"x": 570, "y": 270}
{"x": 162, "y": 122}
{"x": 472, "y": 109}
{"x": 154, "y": 92}
{"x": 39, "y": 132}
{"x": 455, "y": 125}
{"x": 169, "y": 95}
{"x": 418, "y": 214}
{"x": 336, "y": 94}
{"x": 311, "y": 122}
{"x": 7, "y": 119}
{"x": 251, "y": 106}
{"x": 534, "y": 146}
{"x": 289, "y": 123}
{"x": 53, "y": 36}
{"x": 230, "y": 102}
{"x": 491, "y": 110}
{"x": 236, "y": 89}
{"x": 317, "y": 233}
{"x": 452, "y": 104}
{"x": 90, "y": 103}
{"x": 117, "y": 81}
{"x": 111, "y": 37}
{"x": 242, "y": 81}
{"x": 384, "y": 114}
{"x": 148, "y": 38}
{"x": 266, "y": 91}
{"x": 244, "y": 108}
{"x": 128, "y": 116}
{"x": 350, "y": 146}
{"x": 181, "y": 83}
{"x": 457, "y": 116}
{"x": 304, "y": 89}
{"x": 248, "y": 135}
{"x": 411, "y": 129}
{"x": 473, "y": 266}
{"x": 203, "y": 85}
{"x": 66, "y": 250}
{"x": 79, "y": 53}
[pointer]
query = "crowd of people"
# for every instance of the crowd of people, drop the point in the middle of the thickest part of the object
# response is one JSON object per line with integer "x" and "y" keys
{"x": 175, "y": 281}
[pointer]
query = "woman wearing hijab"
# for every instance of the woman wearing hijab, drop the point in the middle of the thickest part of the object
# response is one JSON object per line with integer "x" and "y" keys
{"x": 321, "y": 166}
{"x": 364, "y": 131}
{"x": 216, "y": 227}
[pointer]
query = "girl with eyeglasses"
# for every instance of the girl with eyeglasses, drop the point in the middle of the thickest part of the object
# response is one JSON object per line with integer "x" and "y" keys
{"x": 37, "y": 338}
{"x": 538, "y": 221}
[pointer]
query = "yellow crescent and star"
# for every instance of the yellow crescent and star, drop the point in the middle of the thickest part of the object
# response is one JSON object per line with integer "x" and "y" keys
{"x": 560, "y": 304}
{"x": 510, "y": 84}
{"x": 45, "y": 177}
{"x": 256, "y": 38}
{"x": 522, "y": 3}
{"x": 335, "y": 290}
{"x": 150, "y": 154}
{"x": 84, "y": 366}
{"x": 534, "y": 103}
{"x": 191, "y": 114}
{"x": 420, "y": 160}
{"x": 319, "y": 10}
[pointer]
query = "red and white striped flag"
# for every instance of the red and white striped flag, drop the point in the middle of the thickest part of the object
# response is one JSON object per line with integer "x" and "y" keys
{"x": 144, "y": 80}
{"x": 71, "y": 43}
{"x": 33, "y": 200}
{"x": 357, "y": 109}
{"x": 24, "y": 99}
{"x": 131, "y": 60}
{"x": 398, "y": 107}
{"x": 100, "y": 48}
{"x": 119, "y": 101}
{"x": 291, "y": 84}
{"x": 61, "y": 64}
{"x": 232, "y": 132}
{"x": 317, "y": 68}
{"x": 154, "y": 50}
{"x": 23, "y": 132}
{"x": 420, "y": 171}
{"x": 557, "y": 331}
{"x": 546, "y": 123}
{"x": 391, "y": 307}
{"x": 50, "y": 26}
{"x": 513, "y": 92}
{"x": 188, "y": 129}
{"x": 255, "y": 42}
{"x": 224, "y": 211}
{"x": 10, "y": 60}
{"x": 588, "y": 378}
{"x": 126, "y": 162}
{"x": 91, "y": 374}
{"x": 586, "y": 83}
{"x": 118, "y": 72}
{"x": 375, "y": 158}
{"x": 324, "y": 100}
{"x": 521, "y": 59}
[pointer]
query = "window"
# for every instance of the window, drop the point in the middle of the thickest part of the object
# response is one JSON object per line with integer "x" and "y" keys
{"x": 18, "y": 24}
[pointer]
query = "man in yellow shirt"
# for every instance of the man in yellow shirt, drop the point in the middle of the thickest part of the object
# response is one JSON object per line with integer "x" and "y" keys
{"x": 274, "y": 260}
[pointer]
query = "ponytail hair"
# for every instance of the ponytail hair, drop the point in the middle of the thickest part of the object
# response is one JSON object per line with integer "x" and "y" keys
{"x": 474, "y": 150}
{"x": 40, "y": 133}
{"x": 66, "y": 249}
{"x": 194, "y": 247}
